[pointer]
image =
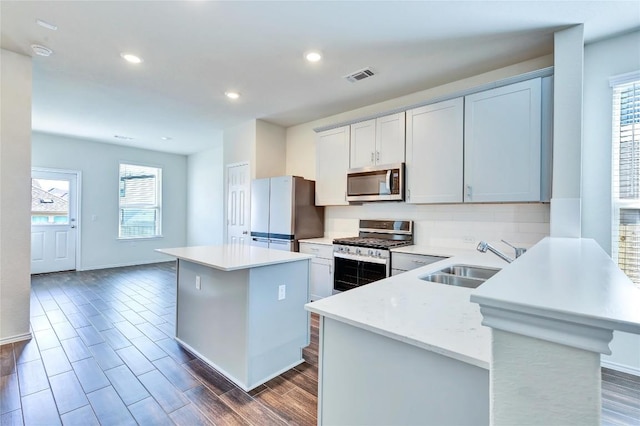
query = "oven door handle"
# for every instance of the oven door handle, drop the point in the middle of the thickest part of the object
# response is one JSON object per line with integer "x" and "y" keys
{"x": 378, "y": 260}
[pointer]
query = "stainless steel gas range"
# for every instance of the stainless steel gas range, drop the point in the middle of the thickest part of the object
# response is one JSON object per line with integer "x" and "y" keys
{"x": 367, "y": 258}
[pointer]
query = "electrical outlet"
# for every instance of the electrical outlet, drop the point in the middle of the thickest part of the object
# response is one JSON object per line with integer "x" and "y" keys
{"x": 198, "y": 282}
{"x": 468, "y": 239}
{"x": 282, "y": 292}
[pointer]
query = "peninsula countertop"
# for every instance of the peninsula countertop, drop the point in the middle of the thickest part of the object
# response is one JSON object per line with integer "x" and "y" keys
{"x": 432, "y": 316}
{"x": 231, "y": 257}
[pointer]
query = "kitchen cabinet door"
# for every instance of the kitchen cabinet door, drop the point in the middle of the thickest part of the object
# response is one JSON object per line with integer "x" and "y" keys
{"x": 321, "y": 269}
{"x": 321, "y": 278}
{"x": 390, "y": 139}
{"x": 434, "y": 166}
{"x": 502, "y": 145}
{"x": 363, "y": 144}
{"x": 378, "y": 141}
{"x": 332, "y": 163}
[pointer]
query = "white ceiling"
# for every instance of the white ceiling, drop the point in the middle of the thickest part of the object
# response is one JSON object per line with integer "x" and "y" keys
{"x": 194, "y": 51}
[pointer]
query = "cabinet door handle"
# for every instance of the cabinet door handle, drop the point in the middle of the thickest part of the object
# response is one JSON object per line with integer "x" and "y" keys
{"x": 314, "y": 249}
{"x": 371, "y": 157}
{"x": 377, "y": 156}
{"x": 469, "y": 191}
{"x": 408, "y": 194}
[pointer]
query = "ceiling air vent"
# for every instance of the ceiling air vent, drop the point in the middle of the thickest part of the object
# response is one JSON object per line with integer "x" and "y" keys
{"x": 359, "y": 75}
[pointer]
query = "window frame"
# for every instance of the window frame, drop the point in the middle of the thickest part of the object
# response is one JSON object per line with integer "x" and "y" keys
{"x": 619, "y": 205}
{"x": 157, "y": 206}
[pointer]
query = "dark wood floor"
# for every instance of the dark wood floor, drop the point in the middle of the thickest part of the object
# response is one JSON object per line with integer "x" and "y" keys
{"x": 103, "y": 353}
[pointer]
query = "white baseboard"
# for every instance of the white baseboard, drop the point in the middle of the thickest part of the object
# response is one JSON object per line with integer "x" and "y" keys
{"x": 122, "y": 265}
{"x": 17, "y": 338}
{"x": 620, "y": 367}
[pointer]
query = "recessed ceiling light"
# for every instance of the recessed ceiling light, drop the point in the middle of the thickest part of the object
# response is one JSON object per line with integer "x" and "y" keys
{"x": 46, "y": 24}
{"x": 124, "y": 138}
{"x": 129, "y": 57}
{"x": 232, "y": 95}
{"x": 41, "y": 50}
{"x": 313, "y": 56}
{"x": 166, "y": 138}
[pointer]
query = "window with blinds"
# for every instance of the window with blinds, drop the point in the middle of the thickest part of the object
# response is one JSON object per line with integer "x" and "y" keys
{"x": 626, "y": 174}
{"x": 140, "y": 189}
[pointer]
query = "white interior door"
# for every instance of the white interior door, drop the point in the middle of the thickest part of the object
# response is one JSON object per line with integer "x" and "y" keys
{"x": 238, "y": 209}
{"x": 54, "y": 221}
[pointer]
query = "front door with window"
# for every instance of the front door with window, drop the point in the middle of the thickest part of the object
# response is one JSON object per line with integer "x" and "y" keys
{"x": 54, "y": 221}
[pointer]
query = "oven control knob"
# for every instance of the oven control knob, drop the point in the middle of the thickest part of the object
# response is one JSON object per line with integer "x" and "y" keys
{"x": 358, "y": 251}
{"x": 371, "y": 253}
{"x": 378, "y": 253}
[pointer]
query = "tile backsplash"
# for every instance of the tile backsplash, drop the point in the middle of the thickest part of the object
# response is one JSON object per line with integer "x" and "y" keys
{"x": 449, "y": 225}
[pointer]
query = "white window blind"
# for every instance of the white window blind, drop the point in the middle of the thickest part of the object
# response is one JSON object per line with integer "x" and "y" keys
{"x": 140, "y": 189}
{"x": 626, "y": 177}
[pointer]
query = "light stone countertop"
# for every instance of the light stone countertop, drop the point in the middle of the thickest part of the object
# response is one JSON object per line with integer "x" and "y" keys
{"x": 567, "y": 279}
{"x": 432, "y": 316}
{"x": 323, "y": 240}
{"x": 232, "y": 257}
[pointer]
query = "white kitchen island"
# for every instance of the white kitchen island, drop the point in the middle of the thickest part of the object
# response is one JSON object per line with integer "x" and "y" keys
{"x": 241, "y": 309}
{"x": 403, "y": 351}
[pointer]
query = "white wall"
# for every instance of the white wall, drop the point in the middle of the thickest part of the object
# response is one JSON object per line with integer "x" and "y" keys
{"x": 239, "y": 144}
{"x": 605, "y": 59}
{"x": 98, "y": 162}
{"x": 270, "y": 150}
{"x": 442, "y": 225}
{"x": 15, "y": 195}
{"x": 205, "y": 199}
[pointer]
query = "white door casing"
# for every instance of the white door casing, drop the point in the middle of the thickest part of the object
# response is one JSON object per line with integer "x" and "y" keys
{"x": 238, "y": 208}
{"x": 55, "y": 220}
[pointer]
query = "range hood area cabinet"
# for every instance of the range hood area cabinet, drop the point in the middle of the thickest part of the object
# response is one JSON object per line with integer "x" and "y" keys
{"x": 378, "y": 141}
{"x": 491, "y": 146}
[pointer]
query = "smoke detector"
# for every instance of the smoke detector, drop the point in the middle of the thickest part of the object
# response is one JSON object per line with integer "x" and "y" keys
{"x": 359, "y": 75}
{"x": 41, "y": 50}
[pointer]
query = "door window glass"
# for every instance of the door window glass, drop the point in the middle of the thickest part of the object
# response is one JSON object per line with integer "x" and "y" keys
{"x": 49, "y": 202}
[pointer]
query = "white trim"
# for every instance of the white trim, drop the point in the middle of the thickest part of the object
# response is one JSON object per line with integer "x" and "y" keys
{"x": 620, "y": 79}
{"x": 16, "y": 338}
{"x": 122, "y": 265}
{"x": 620, "y": 367}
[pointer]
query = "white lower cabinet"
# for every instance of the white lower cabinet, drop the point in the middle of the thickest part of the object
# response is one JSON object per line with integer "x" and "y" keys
{"x": 321, "y": 280}
{"x": 403, "y": 262}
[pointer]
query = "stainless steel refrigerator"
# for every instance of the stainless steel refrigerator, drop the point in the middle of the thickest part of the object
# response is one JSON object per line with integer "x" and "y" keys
{"x": 283, "y": 211}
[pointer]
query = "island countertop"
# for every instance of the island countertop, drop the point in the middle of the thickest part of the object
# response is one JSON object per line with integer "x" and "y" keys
{"x": 432, "y": 316}
{"x": 231, "y": 257}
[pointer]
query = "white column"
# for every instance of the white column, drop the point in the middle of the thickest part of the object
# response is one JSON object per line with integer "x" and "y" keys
{"x": 537, "y": 382}
{"x": 15, "y": 196}
{"x": 567, "y": 132}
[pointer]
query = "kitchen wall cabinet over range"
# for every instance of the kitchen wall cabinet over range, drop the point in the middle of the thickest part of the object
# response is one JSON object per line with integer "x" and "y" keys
{"x": 435, "y": 144}
{"x": 321, "y": 278}
{"x": 378, "y": 141}
{"x": 332, "y": 163}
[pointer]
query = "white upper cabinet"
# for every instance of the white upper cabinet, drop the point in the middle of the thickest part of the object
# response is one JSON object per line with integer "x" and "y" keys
{"x": 434, "y": 166}
{"x": 502, "y": 144}
{"x": 378, "y": 141}
{"x": 332, "y": 163}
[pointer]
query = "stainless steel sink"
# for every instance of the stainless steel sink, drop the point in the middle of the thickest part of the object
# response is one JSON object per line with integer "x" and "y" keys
{"x": 461, "y": 276}
{"x": 470, "y": 271}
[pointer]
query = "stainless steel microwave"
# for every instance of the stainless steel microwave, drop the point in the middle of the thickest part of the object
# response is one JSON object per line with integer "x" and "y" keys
{"x": 376, "y": 183}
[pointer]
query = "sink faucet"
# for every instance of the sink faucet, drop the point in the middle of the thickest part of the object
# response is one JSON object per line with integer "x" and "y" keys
{"x": 483, "y": 246}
